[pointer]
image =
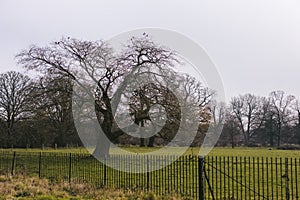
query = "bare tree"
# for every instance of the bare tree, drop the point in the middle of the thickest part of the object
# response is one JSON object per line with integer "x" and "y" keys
{"x": 112, "y": 73}
{"x": 249, "y": 112}
{"x": 15, "y": 100}
{"x": 218, "y": 112}
{"x": 196, "y": 99}
{"x": 151, "y": 103}
{"x": 296, "y": 108}
{"x": 281, "y": 106}
{"x": 230, "y": 130}
{"x": 54, "y": 100}
{"x": 190, "y": 102}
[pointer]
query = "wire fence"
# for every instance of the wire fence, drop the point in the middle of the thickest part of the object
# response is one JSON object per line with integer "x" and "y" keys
{"x": 190, "y": 176}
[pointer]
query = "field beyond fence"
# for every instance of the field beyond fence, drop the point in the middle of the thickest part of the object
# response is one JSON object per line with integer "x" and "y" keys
{"x": 212, "y": 177}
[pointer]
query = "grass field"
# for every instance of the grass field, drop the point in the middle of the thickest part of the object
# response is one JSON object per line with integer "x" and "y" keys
{"x": 239, "y": 151}
{"x": 242, "y": 173}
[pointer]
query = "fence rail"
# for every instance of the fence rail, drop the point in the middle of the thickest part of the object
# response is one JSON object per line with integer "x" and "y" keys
{"x": 191, "y": 176}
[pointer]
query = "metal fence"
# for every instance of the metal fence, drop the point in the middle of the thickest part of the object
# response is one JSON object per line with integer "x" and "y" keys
{"x": 191, "y": 176}
{"x": 252, "y": 178}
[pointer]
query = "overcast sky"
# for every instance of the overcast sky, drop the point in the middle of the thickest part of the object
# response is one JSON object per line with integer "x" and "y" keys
{"x": 255, "y": 44}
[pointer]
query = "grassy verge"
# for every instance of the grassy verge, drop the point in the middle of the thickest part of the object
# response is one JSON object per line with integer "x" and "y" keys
{"x": 25, "y": 188}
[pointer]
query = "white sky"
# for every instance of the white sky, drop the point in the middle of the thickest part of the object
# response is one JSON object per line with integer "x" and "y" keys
{"x": 255, "y": 44}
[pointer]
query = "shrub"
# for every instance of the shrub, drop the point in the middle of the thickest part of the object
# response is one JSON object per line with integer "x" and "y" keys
{"x": 289, "y": 147}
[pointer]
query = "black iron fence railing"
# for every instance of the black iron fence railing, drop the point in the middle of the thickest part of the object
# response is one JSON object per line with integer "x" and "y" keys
{"x": 192, "y": 176}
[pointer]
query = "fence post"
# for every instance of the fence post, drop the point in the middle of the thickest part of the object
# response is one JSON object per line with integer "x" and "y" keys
{"x": 40, "y": 164}
{"x": 70, "y": 167}
{"x": 200, "y": 177}
{"x": 148, "y": 173}
{"x": 286, "y": 176}
{"x": 104, "y": 172}
{"x": 13, "y": 164}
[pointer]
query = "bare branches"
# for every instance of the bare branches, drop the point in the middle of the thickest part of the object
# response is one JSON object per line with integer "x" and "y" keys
{"x": 15, "y": 99}
{"x": 143, "y": 52}
{"x": 248, "y": 110}
{"x": 280, "y": 105}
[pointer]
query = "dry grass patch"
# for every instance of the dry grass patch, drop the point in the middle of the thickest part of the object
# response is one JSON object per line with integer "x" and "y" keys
{"x": 25, "y": 188}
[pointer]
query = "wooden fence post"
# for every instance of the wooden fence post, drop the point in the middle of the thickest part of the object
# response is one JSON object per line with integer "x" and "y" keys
{"x": 200, "y": 177}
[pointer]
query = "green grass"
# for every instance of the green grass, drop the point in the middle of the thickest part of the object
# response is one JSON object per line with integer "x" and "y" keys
{"x": 239, "y": 151}
{"x": 257, "y": 169}
{"x": 217, "y": 151}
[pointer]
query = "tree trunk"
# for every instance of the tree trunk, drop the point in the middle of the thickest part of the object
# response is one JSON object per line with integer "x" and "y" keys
{"x": 103, "y": 141}
{"x": 246, "y": 141}
{"x": 9, "y": 135}
{"x": 102, "y": 149}
{"x": 279, "y": 135}
{"x": 271, "y": 139}
{"x": 232, "y": 141}
{"x": 298, "y": 128}
{"x": 298, "y": 134}
{"x": 142, "y": 139}
{"x": 9, "y": 140}
{"x": 142, "y": 142}
{"x": 271, "y": 132}
{"x": 106, "y": 136}
{"x": 151, "y": 141}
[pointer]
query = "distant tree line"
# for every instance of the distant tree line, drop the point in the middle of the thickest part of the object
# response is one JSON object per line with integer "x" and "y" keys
{"x": 252, "y": 120}
{"x": 36, "y": 112}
